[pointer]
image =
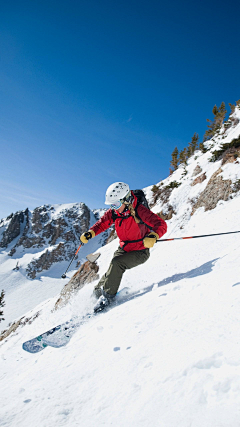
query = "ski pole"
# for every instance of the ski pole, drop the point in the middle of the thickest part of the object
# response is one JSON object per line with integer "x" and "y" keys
{"x": 195, "y": 237}
{"x": 64, "y": 274}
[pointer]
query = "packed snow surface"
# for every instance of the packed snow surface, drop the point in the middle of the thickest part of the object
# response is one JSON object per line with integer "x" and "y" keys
{"x": 168, "y": 355}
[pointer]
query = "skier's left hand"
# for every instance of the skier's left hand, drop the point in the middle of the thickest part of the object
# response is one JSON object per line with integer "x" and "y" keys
{"x": 150, "y": 239}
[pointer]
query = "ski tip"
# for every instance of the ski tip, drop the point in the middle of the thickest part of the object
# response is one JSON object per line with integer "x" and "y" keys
{"x": 33, "y": 347}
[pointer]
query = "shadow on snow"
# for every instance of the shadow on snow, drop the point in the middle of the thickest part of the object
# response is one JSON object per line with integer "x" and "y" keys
{"x": 199, "y": 271}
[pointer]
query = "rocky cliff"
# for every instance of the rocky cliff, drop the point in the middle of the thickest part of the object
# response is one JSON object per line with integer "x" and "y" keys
{"x": 50, "y": 233}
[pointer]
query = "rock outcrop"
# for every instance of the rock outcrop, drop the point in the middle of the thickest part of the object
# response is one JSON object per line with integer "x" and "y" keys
{"x": 54, "y": 230}
{"x": 197, "y": 170}
{"x": 15, "y": 325}
{"x": 12, "y": 227}
{"x": 87, "y": 273}
{"x": 199, "y": 179}
{"x": 217, "y": 189}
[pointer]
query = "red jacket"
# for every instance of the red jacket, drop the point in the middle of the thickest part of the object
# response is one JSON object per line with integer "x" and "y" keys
{"x": 127, "y": 229}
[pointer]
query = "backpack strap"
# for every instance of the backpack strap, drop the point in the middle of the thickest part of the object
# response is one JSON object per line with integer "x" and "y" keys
{"x": 131, "y": 241}
{"x": 137, "y": 215}
{"x": 115, "y": 216}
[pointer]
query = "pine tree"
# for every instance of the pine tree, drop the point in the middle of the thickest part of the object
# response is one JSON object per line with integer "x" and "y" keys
{"x": 232, "y": 106}
{"x": 210, "y": 131}
{"x": 220, "y": 116}
{"x": 174, "y": 161}
{"x": 189, "y": 153}
{"x": 155, "y": 188}
{"x": 183, "y": 156}
{"x": 215, "y": 110}
{"x": 2, "y": 304}
{"x": 215, "y": 125}
{"x": 202, "y": 147}
{"x": 194, "y": 143}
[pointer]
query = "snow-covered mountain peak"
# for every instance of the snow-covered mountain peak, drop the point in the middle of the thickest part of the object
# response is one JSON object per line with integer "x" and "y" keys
{"x": 64, "y": 209}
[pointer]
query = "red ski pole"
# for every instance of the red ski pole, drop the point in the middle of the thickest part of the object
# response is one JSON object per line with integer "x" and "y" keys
{"x": 195, "y": 237}
{"x": 64, "y": 274}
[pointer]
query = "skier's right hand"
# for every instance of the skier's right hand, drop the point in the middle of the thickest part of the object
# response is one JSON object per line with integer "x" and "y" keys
{"x": 85, "y": 237}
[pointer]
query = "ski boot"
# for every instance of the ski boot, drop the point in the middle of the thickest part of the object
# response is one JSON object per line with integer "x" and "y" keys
{"x": 103, "y": 301}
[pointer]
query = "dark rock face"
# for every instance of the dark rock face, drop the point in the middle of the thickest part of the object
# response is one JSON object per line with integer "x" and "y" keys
{"x": 46, "y": 260}
{"x": 54, "y": 230}
{"x": 13, "y": 227}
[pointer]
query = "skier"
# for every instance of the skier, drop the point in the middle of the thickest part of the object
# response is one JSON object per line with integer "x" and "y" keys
{"x": 133, "y": 222}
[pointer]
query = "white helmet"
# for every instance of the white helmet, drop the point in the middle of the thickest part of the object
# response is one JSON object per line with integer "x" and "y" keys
{"x": 116, "y": 192}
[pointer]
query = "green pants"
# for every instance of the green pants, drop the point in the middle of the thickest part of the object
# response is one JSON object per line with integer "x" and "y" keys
{"x": 121, "y": 262}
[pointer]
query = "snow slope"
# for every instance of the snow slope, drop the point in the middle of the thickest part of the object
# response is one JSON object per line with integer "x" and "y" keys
{"x": 168, "y": 355}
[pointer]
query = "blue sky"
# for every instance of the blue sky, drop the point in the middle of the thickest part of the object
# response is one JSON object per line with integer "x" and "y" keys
{"x": 93, "y": 92}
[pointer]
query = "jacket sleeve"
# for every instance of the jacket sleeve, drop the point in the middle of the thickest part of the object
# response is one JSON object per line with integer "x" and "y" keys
{"x": 103, "y": 223}
{"x": 158, "y": 225}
